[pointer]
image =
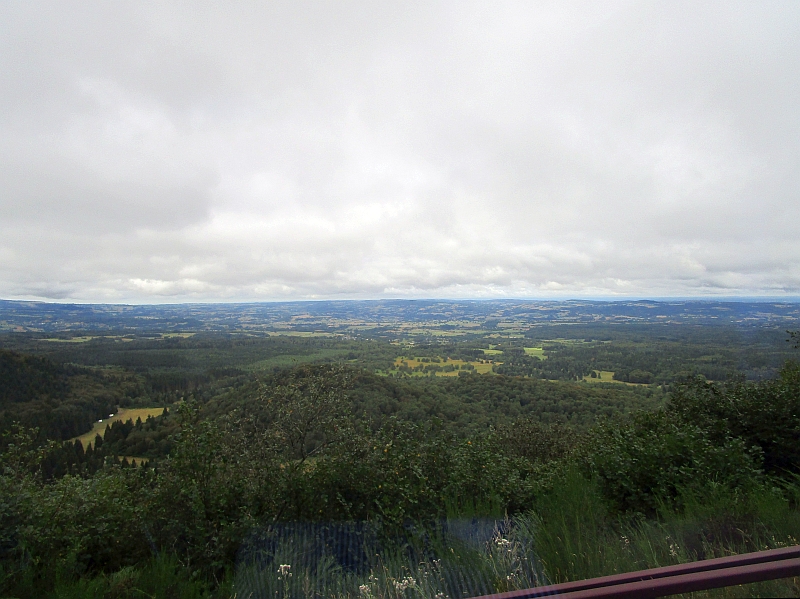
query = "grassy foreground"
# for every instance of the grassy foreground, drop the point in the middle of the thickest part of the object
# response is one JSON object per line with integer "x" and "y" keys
{"x": 569, "y": 535}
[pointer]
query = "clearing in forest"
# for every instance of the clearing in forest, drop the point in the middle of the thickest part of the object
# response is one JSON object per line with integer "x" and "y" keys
{"x": 607, "y": 376}
{"x": 99, "y": 428}
{"x": 603, "y": 376}
{"x": 440, "y": 366}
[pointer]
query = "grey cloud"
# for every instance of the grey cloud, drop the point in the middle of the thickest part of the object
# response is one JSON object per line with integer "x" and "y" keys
{"x": 275, "y": 150}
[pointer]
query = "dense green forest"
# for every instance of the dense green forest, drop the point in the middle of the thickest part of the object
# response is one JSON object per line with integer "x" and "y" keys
{"x": 60, "y": 400}
{"x": 302, "y": 467}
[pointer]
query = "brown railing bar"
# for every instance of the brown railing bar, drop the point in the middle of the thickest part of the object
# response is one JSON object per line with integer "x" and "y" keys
{"x": 658, "y": 582}
{"x": 697, "y": 581}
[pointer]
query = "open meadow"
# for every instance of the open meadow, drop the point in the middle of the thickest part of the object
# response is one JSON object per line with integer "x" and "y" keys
{"x": 122, "y": 415}
{"x": 439, "y": 366}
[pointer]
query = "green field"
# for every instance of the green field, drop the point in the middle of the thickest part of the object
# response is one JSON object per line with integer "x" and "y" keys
{"x": 300, "y": 334}
{"x": 70, "y": 340}
{"x": 479, "y": 367}
{"x": 605, "y": 376}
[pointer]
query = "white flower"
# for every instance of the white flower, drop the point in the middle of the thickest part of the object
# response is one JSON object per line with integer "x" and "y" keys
{"x": 402, "y": 585}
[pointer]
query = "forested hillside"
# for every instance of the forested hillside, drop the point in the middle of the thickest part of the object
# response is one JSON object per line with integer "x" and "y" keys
{"x": 469, "y": 404}
{"x": 61, "y": 401}
{"x": 352, "y": 478}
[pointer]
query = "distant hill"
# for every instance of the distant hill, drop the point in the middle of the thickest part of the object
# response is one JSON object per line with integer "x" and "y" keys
{"x": 386, "y": 318}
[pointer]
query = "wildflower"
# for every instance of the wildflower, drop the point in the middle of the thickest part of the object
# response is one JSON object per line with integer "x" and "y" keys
{"x": 673, "y": 549}
{"x": 402, "y": 585}
{"x": 284, "y": 570}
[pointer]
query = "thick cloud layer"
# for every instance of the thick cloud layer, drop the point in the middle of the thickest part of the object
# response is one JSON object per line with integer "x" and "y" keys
{"x": 173, "y": 152}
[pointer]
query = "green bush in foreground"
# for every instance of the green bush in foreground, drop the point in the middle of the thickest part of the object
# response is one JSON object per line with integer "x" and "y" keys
{"x": 652, "y": 460}
{"x": 764, "y": 415}
{"x": 157, "y": 578}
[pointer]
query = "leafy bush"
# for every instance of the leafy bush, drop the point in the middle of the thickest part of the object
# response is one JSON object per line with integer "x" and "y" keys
{"x": 765, "y": 415}
{"x": 652, "y": 460}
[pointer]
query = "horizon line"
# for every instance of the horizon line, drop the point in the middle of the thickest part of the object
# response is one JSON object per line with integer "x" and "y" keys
{"x": 596, "y": 299}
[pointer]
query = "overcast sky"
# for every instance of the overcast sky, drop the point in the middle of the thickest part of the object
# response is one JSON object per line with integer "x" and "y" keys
{"x": 170, "y": 152}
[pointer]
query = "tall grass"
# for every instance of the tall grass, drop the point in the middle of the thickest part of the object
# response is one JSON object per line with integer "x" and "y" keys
{"x": 455, "y": 558}
{"x": 569, "y": 535}
{"x": 576, "y": 538}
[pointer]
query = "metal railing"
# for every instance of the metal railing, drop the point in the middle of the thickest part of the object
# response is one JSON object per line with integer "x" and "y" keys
{"x": 670, "y": 580}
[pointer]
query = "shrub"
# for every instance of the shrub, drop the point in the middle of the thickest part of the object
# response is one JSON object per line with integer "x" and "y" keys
{"x": 764, "y": 415}
{"x": 652, "y": 460}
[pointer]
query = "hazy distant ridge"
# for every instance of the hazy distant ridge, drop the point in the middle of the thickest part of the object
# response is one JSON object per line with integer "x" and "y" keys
{"x": 339, "y": 316}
